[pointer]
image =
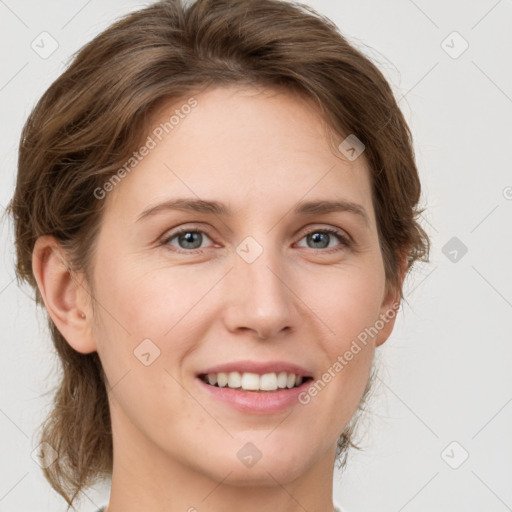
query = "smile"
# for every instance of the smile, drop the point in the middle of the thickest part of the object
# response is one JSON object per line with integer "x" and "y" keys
{"x": 248, "y": 381}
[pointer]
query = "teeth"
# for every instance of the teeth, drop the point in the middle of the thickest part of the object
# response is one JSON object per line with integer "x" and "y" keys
{"x": 291, "y": 381}
{"x": 222, "y": 379}
{"x": 282, "y": 379}
{"x": 254, "y": 382}
{"x": 249, "y": 381}
{"x": 234, "y": 380}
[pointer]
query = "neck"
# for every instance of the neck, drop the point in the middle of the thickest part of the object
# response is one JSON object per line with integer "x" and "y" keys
{"x": 145, "y": 477}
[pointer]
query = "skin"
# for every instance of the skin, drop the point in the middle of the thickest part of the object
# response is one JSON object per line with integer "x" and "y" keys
{"x": 175, "y": 448}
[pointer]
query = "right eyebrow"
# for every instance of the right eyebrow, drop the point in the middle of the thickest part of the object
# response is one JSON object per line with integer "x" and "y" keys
{"x": 191, "y": 205}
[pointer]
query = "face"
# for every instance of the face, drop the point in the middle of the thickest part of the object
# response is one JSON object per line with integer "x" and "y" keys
{"x": 266, "y": 280}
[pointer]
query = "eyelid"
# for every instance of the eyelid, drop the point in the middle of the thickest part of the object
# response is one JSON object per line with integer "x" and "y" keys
{"x": 329, "y": 228}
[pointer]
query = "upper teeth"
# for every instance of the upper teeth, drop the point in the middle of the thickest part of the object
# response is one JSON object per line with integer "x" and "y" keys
{"x": 253, "y": 381}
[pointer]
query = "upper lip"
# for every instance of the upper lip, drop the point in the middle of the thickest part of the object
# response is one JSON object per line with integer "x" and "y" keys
{"x": 258, "y": 367}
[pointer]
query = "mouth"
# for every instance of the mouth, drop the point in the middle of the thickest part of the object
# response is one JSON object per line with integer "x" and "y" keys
{"x": 252, "y": 382}
{"x": 255, "y": 387}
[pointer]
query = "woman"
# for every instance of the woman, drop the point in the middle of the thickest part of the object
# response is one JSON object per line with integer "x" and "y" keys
{"x": 216, "y": 204}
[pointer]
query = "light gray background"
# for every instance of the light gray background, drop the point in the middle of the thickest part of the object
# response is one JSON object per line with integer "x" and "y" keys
{"x": 446, "y": 368}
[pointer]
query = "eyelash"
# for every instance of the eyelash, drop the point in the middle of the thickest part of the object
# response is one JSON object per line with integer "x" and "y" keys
{"x": 345, "y": 242}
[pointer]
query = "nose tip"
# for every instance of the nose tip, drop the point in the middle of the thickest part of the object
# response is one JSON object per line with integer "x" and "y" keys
{"x": 261, "y": 301}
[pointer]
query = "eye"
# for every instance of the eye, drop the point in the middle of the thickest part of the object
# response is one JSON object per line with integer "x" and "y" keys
{"x": 189, "y": 240}
{"x": 321, "y": 238}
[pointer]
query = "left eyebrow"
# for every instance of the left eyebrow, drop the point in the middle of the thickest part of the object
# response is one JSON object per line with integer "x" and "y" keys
{"x": 324, "y": 207}
{"x": 217, "y": 208}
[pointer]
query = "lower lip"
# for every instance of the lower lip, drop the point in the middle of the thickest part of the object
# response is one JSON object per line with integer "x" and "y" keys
{"x": 259, "y": 402}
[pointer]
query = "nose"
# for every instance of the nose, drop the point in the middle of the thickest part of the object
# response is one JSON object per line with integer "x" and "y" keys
{"x": 260, "y": 299}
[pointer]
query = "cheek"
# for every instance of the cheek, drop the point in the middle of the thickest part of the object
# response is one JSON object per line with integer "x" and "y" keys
{"x": 347, "y": 299}
{"x": 138, "y": 309}
{"x": 147, "y": 299}
{"x": 149, "y": 315}
{"x": 348, "y": 307}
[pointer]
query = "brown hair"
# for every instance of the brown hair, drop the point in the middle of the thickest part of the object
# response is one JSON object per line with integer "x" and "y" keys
{"x": 94, "y": 116}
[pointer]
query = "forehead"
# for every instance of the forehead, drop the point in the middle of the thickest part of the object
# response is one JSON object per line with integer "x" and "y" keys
{"x": 248, "y": 147}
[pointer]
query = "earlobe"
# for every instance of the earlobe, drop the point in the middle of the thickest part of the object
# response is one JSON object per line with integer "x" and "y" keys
{"x": 387, "y": 317}
{"x": 63, "y": 295}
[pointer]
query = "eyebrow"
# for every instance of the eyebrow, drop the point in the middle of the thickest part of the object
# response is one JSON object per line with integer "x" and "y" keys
{"x": 221, "y": 209}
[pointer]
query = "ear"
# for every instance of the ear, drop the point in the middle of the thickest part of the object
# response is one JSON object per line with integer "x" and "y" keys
{"x": 391, "y": 303}
{"x": 64, "y": 294}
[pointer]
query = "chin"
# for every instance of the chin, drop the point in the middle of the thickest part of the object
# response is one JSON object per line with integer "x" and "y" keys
{"x": 281, "y": 464}
{"x": 263, "y": 474}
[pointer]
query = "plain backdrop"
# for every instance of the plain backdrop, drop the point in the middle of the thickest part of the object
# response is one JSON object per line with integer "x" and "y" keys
{"x": 439, "y": 433}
